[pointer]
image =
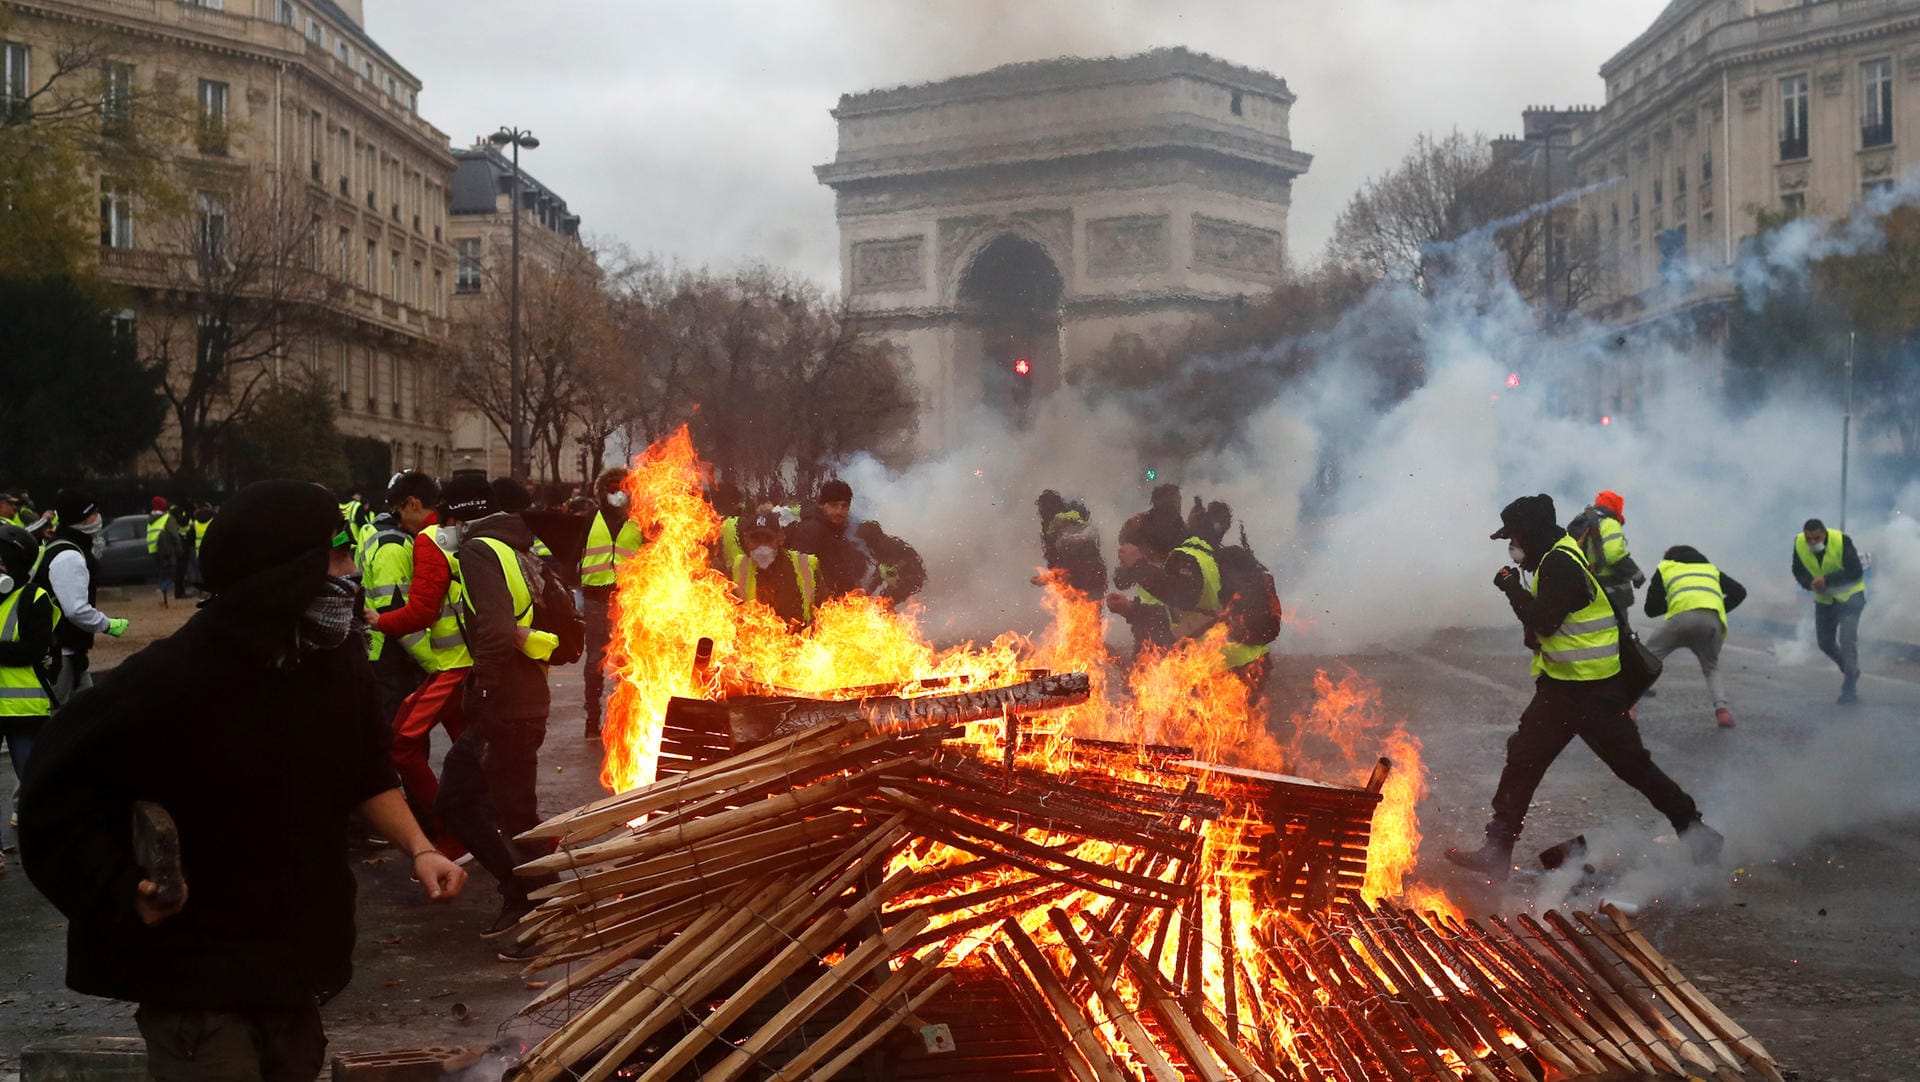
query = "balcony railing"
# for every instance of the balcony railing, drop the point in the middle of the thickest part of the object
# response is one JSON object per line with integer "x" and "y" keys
{"x": 1793, "y": 147}
{"x": 1876, "y": 135}
{"x": 213, "y": 137}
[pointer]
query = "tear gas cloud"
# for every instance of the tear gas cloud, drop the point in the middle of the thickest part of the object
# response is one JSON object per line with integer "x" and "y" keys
{"x": 1396, "y": 546}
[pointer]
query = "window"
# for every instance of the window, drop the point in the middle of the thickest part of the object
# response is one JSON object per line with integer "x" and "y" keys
{"x": 393, "y": 276}
{"x": 1656, "y": 191}
{"x": 1672, "y": 245}
{"x": 213, "y": 117}
{"x": 373, "y": 254}
{"x": 1636, "y": 206}
{"x": 344, "y": 375}
{"x": 1613, "y": 211}
{"x": 1793, "y": 117}
{"x": 315, "y": 237}
{"x": 1233, "y": 104}
{"x": 210, "y": 346}
{"x": 439, "y": 294}
{"x": 372, "y": 375}
{"x": 313, "y": 29}
{"x": 1876, "y": 87}
{"x": 125, "y": 329}
{"x": 467, "y": 278}
{"x": 212, "y": 5}
{"x": 116, "y": 215}
{"x": 1679, "y": 181}
{"x": 413, "y": 297}
{"x": 15, "y": 59}
{"x": 288, "y": 15}
{"x": 346, "y": 251}
{"x": 211, "y": 237}
{"x": 393, "y": 383}
{"x": 116, "y": 97}
{"x": 1794, "y": 204}
{"x": 316, "y": 128}
{"x": 346, "y": 161}
{"x": 1868, "y": 189}
{"x": 1706, "y": 167}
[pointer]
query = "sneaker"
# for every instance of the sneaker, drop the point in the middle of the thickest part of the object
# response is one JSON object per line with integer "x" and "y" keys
{"x": 520, "y": 953}
{"x": 1704, "y": 843}
{"x": 1848, "y": 694}
{"x": 1723, "y": 717}
{"x": 508, "y": 919}
{"x": 1493, "y": 859}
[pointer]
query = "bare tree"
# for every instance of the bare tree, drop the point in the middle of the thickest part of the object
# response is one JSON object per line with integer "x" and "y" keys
{"x": 564, "y": 338}
{"x": 241, "y": 285}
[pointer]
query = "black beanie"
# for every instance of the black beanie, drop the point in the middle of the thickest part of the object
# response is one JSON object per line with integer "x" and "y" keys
{"x": 836, "y": 491}
{"x": 467, "y": 498}
{"x": 269, "y": 524}
{"x": 510, "y": 495}
{"x": 73, "y": 507}
{"x": 1526, "y": 517}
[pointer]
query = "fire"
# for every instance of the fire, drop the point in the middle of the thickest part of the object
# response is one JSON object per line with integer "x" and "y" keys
{"x": 1184, "y": 697}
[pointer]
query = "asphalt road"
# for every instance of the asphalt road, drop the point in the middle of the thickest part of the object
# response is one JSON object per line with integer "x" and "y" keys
{"x": 1809, "y": 935}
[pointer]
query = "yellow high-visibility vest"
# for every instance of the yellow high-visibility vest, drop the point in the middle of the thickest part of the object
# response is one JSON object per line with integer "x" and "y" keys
{"x": 389, "y": 571}
{"x": 445, "y": 640}
{"x": 1693, "y": 586}
{"x": 606, "y": 551}
{"x": 22, "y": 693}
{"x": 1830, "y": 562}
{"x": 806, "y": 571}
{"x": 1587, "y": 645}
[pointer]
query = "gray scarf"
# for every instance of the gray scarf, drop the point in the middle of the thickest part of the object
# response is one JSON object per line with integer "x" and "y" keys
{"x": 331, "y": 616}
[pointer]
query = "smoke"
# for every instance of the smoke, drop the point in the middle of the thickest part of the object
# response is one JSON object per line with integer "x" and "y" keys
{"x": 1853, "y": 774}
{"x": 1373, "y": 513}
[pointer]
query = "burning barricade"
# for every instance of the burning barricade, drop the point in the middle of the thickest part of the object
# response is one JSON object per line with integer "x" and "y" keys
{"x": 843, "y": 851}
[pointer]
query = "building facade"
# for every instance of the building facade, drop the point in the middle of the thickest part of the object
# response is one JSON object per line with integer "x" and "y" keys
{"x": 295, "y": 97}
{"x": 1725, "y": 109}
{"x": 1004, "y": 227}
{"x": 481, "y": 230}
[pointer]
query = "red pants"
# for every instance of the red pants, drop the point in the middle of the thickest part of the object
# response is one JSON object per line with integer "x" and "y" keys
{"x": 435, "y": 702}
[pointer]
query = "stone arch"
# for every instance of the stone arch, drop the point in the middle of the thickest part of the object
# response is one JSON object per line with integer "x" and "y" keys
{"x": 1008, "y": 299}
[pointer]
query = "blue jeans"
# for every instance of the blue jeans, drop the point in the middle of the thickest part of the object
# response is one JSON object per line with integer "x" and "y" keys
{"x": 19, "y": 734}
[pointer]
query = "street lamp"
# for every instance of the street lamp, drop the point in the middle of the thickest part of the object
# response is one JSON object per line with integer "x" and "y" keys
{"x": 516, "y": 409}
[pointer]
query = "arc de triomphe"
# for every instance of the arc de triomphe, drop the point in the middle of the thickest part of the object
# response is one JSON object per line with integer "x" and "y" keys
{"x": 1034, "y": 211}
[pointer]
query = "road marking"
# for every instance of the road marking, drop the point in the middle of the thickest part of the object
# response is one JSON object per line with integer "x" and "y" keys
{"x": 1485, "y": 681}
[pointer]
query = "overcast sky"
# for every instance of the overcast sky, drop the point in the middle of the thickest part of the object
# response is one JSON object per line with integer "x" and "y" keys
{"x": 691, "y": 129}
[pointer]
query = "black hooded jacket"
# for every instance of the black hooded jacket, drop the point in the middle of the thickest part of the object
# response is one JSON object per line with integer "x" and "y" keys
{"x": 505, "y": 683}
{"x": 843, "y": 565}
{"x": 1563, "y": 586}
{"x": 259, "y": 776}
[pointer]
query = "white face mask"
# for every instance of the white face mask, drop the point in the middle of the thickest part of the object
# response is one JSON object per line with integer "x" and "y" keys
{"x": 1817, "y": 549}
{"x": 90, "y": 527}
{"x": 448, "y": 537}
{"x": 616, "y": 499}
{"x": 6, "y": 584}
{"x": 1515, "y": 552}
{"x": 763, "y": 556}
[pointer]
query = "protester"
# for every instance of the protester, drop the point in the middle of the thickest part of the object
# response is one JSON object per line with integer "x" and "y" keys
{"x": 1146, "y": 615}
{"x": 897, "y": 572}
{"x": 1695, "y": 597}
{"x": 230, "y": 972}
{"x": 27, "y": 655}
{"x": 613, "y": 538}
{"x": 488, "y": 782}
{"x": 1069, "y": 546}
{"x": 163, "y": 544}
{"x": 774, "y": 574}
{"x": 1574, "y": 634}
{"x": 10, "y": 507}
{"x": 69, "y": 570}
{"x": 823, "y": 533}
{"x": 1826, "y": 563}
{"x": 387, "y": 564}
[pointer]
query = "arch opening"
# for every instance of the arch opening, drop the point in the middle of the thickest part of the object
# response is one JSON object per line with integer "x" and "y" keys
{"x": 1009, "y": 300}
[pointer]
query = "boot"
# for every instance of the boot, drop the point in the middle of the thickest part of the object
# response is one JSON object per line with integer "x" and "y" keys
{"x": 1703, "y": 842}
{"x": 1494, "y": 859}
{"x": 1848, "y": 694}
{"x": 1724, "y": 717}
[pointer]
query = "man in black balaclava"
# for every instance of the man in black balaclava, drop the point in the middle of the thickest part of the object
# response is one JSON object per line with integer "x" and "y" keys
{"x": 254, "y": 728}
{"x": 1575, "y": 638}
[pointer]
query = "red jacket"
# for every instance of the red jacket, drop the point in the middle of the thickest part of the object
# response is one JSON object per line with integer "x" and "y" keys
{"x": 431, "y": 573}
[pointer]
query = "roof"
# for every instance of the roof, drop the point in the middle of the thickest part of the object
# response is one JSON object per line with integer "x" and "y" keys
{"x": 1064, "y": 73}
{"x": 358, "y": 33}
{"x": 476, "y": 181}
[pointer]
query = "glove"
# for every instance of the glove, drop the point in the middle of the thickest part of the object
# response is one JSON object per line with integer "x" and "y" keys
{"x": 1506, "y": 579}
{"x": 1639, "y": 580}
{"x": 116, "y": 626}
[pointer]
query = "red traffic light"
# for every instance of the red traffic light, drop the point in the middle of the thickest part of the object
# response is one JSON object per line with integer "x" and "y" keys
{"x": 1513, "y": 379}
{"x": 1022, "y": 367}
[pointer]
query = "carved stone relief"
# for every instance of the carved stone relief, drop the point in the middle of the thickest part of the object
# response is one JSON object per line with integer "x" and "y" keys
{"x": 1130, "y": 245}
{"x": 882, "y": 265}
{"x": 1750, "y": 97}
{"x": 1911, "y": 65}
{"x": 1832, "y": 82}
{"x": 1792, "y": 178}
{"x": 1236, "y": 248}
{"x": 1876, "y": 165}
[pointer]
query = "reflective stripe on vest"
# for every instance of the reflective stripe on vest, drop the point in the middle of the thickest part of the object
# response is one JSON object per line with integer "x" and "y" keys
{"x": 746, "y": 576}
{"x": 446, "y": 642}
{"x": 1587, "y": 645}
{"x": 1830, "y": 562}
{"x": 605, "y": 552}
{"x": 22, "y": 694}
{"x": 1613, "y": 541}
{"x": 384, "y": 593}
{"x": 518, "y": 592}
{"x": 1693, "y": 586}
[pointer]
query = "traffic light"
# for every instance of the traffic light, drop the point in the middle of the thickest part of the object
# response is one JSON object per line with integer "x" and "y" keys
{"x": 1022, "y": 384}
{"x": 1022, "y": 367}
{"x": 1152, "y": 474}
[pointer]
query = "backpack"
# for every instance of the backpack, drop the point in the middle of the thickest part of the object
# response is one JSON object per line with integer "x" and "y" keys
{"x": 1249, "y": 600}
{"x": 553, "y": 609}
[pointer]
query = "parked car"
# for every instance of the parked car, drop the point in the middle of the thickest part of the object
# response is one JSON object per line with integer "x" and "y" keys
{"x": 125, "y": 560}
